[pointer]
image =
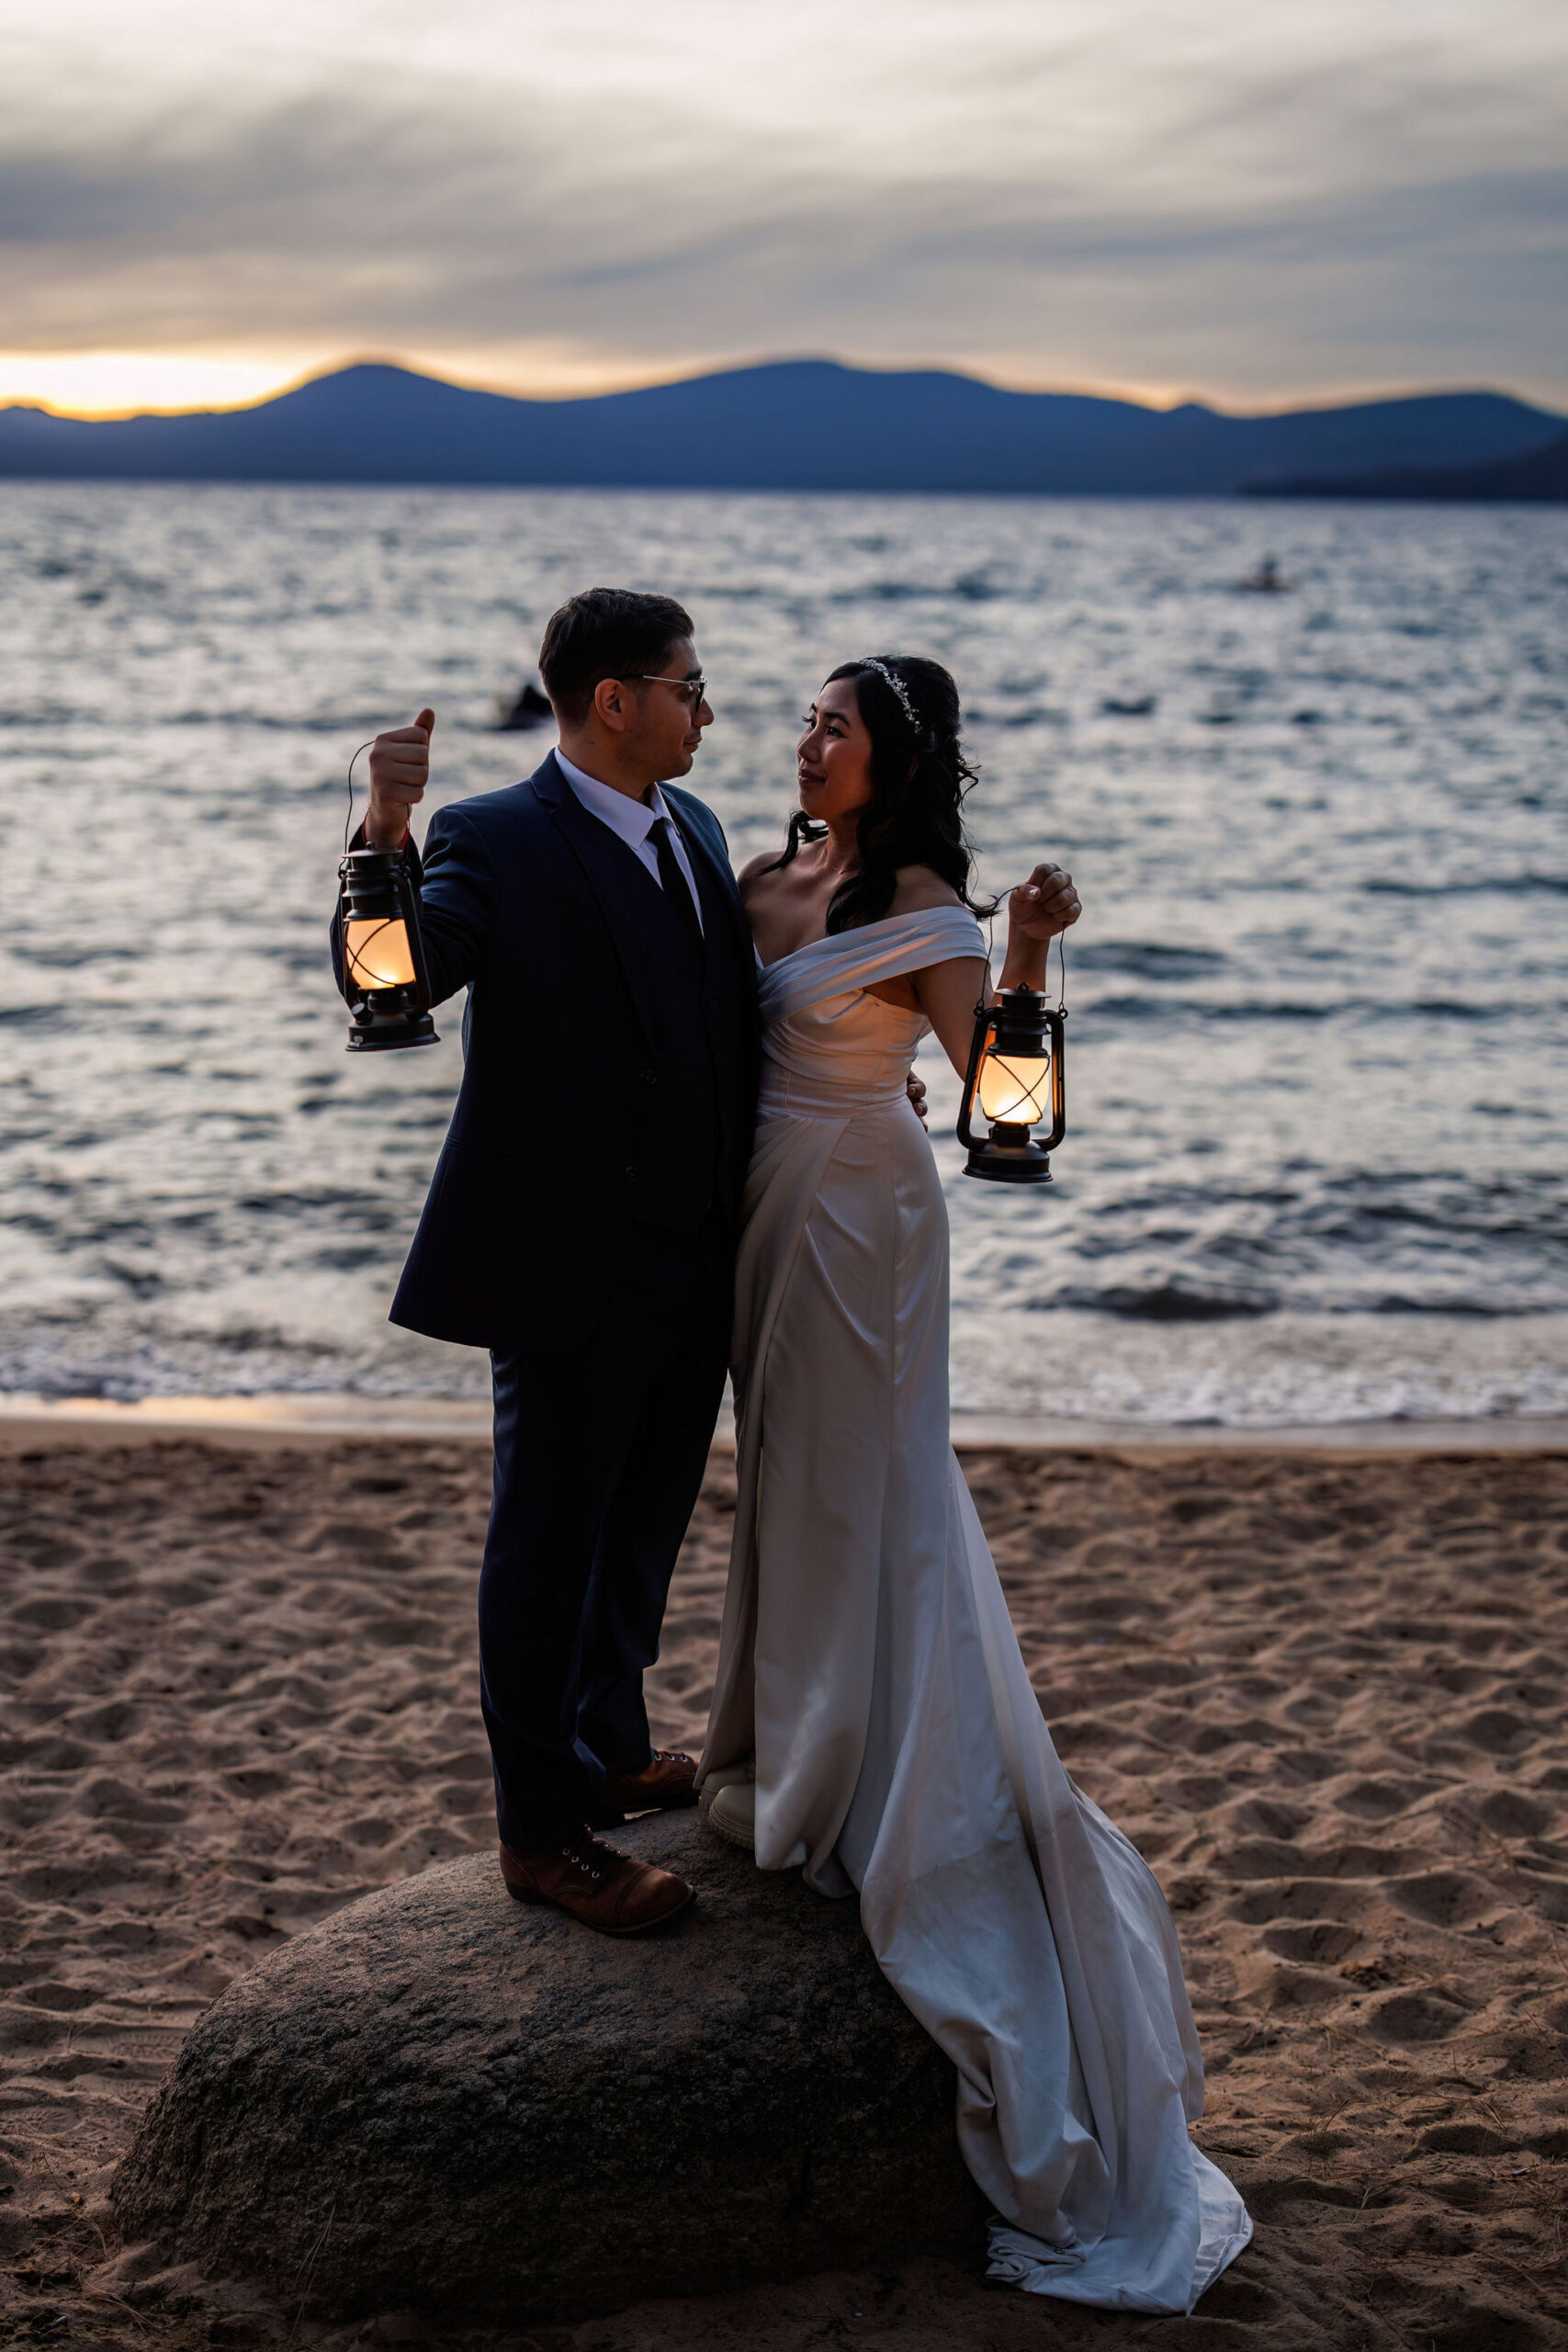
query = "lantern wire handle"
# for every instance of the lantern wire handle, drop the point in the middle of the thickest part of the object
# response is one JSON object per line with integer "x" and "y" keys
{"x": 990, "y": 940}
{"x": 348, "y": 820}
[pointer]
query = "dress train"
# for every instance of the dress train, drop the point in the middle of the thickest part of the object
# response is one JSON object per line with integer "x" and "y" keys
{"x": 871, "y": 1679}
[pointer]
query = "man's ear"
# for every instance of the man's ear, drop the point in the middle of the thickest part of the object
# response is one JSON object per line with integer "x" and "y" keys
{"x": 612, "y": 705}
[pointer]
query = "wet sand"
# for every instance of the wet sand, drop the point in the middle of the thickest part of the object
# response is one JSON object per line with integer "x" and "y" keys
{"x": 1324, "y": 1695}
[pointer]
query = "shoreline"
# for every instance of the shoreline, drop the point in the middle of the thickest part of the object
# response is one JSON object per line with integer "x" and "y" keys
{"x": 285, "y": 1420}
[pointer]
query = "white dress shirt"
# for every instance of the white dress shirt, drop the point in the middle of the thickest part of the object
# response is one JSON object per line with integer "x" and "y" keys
{"x": 634, "y": 820}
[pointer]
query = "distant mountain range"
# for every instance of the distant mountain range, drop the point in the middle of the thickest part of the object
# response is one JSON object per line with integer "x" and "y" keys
{"x": 795, "y": 424}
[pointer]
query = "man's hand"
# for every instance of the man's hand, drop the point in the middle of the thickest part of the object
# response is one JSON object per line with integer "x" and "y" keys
{"x": 1044, "y": 905}
{"x": 916, "y": 1090}
{"x": 399, "y": 770}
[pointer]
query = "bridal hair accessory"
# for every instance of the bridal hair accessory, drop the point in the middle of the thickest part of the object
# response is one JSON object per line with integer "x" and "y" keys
{"x": 900, "y": 688}
{"x": 384, "y": 974}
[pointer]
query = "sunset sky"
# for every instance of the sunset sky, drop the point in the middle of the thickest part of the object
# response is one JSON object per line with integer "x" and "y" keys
{"x": 202, "y": 199}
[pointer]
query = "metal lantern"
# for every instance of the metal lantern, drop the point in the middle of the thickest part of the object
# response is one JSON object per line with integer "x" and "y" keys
{"x": 1015, "y": 1076}
{"x": 384, "y": 975}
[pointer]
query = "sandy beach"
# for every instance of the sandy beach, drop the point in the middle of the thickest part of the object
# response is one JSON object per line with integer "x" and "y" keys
{"x": 1324, "y": 1693}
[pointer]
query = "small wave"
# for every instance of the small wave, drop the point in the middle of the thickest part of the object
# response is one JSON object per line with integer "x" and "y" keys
{"x": 1149, "y": 958}
{"x": 1260, "y": 1371}
{"x": 1039, "y": 715}
{"x": 1491, "y": 1307}
{"x": 1164, "y": 1303}
{"x": 1380, "y": 1009}
{"x": 1148, "y": 1008}
{"x": 890, "y": 591}
{"x": 1506, "y": 885}
{"x": 271, "y": 721}
{"x": 977, "y": 588}
{"x": 70, "y": 957}
{"x": 50, "y": 714}
{"x": 41, "y": 1019}
{"x": 1177, "y": 1302}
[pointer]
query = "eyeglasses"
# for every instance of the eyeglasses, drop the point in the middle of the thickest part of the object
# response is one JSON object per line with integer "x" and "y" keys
{"x": 692, "y": 688}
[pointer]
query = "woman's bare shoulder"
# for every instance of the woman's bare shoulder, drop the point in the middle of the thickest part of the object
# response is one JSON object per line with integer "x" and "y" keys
{"x": 921, "y": 887}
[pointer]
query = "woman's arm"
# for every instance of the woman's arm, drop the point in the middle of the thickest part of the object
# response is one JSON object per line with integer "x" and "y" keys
{"x": 949, "y": 993}
{"x": 1038, "y": 908}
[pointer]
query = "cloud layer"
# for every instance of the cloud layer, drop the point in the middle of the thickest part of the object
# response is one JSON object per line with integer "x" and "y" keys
{"x": 1171, "y": 197}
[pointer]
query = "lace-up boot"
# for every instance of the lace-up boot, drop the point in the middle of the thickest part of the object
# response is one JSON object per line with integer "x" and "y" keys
{"x": 666, "y": 1782}
{"x": 601, "y": 1888}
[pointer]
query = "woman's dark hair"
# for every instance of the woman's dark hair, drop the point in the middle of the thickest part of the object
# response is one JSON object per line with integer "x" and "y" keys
{"x": 605, "y": 633}
{"x": 919, "y": 779}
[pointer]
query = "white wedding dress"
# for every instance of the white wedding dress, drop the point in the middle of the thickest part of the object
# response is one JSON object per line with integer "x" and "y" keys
{"x": 871, "y": 1682}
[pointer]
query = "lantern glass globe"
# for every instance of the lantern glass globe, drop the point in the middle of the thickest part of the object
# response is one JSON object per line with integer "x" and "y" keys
{"x": 1013, "y": 1088}
{"x": 378, "y": 953}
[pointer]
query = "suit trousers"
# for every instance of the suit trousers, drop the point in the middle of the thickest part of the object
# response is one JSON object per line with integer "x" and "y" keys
{"x": 599, "y": 1458}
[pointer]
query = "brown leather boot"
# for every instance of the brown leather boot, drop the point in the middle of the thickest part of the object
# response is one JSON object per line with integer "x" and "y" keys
{"x": 666, "y": 1782}
{"x": 601, "y": 1888}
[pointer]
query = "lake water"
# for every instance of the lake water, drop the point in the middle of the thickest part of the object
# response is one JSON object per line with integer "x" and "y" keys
{"x": 1318, "y": 1045}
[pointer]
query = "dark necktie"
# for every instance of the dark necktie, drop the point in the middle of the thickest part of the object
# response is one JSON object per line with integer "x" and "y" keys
{"x": 673, "y": 882}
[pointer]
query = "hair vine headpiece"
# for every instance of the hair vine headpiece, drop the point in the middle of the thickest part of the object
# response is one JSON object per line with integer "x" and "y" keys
{"x": 900, "y": 688}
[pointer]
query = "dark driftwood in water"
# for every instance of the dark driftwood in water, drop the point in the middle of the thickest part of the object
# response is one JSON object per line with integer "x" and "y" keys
{"x": 444, "y": 2100}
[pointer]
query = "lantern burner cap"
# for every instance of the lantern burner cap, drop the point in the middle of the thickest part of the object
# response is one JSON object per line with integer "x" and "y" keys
{"x": 1001, "y": 1161}
{"x": 382, "y": 1033}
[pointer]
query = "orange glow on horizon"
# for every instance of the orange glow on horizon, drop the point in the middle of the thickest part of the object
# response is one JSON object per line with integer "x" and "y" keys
{"x": 100, "y": 385}
{"x": 105, "y": 384}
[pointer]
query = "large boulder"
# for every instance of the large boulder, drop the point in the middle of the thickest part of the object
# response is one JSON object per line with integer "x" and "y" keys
{"x": 442, "y": 2098}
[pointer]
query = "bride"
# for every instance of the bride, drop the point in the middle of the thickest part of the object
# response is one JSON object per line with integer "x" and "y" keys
{"x": 873, "y": 1721}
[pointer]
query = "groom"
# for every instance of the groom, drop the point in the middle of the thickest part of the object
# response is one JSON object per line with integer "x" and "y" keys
{"x": 581, "y": 1221}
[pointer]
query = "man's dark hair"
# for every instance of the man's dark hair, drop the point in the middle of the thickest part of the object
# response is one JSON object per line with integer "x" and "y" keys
{"x": 605, "y": 633}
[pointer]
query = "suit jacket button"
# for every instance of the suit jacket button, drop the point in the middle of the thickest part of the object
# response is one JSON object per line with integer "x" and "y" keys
{"x": 630, "y": 1174}
{"x": 649, "y": 1077}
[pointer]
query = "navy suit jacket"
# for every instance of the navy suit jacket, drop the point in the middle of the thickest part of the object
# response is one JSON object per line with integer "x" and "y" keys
{"x": 532, "y": 904}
